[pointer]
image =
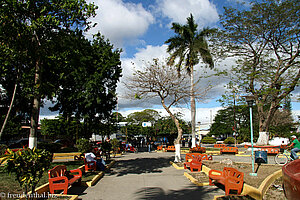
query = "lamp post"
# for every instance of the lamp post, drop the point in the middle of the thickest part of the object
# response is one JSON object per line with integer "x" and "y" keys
{"x": 250, "y": 102}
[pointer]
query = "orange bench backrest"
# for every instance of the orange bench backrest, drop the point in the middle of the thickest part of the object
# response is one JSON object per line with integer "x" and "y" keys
{"x": 57, "y": 171}
{"x": 229, "y": 171}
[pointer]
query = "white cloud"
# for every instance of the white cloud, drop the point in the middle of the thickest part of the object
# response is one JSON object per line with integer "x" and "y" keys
{"x": 121, "y": 22}
{"x": 129, "y": 64}
{"x": 204, "y": 12}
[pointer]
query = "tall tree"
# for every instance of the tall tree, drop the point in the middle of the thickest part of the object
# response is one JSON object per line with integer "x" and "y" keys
{"x": 37, "y": 26}
{"x": 158, "y": 80}
{"x": 190, "y": 46}
{"x": 147, "y": 115}
{"x": 266, "y": 41}
{"x": 88, "y": 88}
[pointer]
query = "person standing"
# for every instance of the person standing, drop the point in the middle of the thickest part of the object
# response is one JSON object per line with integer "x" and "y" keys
{"x": 296, "y": 147}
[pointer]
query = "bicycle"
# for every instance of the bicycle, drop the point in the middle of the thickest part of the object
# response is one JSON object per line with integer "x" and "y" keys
{"x": 283, "y": 157}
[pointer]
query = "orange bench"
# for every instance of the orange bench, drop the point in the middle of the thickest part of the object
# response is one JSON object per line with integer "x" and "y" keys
{"x": 198, "y": 149}
{"x": 170, "y": 148}
{"x": 195, "y": 164}
{"x": 271, "y": 150}
{"x": 159, "y": 148}
{"x": 91, "y": 165}
{"x": 60, "y": 180}
{"x": 229, "y": 150}
{"x": 231, "y": 178}
{"x": 189, "y": 156}
{"x": 219, "y": 145}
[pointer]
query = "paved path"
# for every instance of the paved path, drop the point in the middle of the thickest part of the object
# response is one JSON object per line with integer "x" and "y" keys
{"x": 146, "y": 176}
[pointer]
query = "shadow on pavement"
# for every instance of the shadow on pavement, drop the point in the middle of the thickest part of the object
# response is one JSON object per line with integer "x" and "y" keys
{"x": 140, "y": 165}
{"x": 194, "y": 192}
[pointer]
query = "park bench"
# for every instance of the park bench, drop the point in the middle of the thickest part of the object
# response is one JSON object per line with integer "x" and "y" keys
{"x": 91, "y": 165}
{"x": 61, "y": 179}
{"x": 195, "y": 164}
{"x": 219, "y": 145}
{"x": 189, "y": 156}
{"x": 170, "y": 148}
{"x": 159, "y": 148}
{"x": 198, "y": 149}
{"x": 271, "y": 150}
{"x": 229, "y": 150}
{"x": 231, "y": 178}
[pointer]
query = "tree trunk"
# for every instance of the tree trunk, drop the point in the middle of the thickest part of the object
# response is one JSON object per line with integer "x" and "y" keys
{"x": 9, "y": 109}
{"x": 264, "y": 123}
{"x": 179, "y": 136}
{"x": 193, "y": 108}
{"x": 35, "y": 112}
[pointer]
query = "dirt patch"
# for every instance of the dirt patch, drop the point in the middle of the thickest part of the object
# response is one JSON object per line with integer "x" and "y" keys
{"x": 275, "y": 192}
{"x": 263, "y": 171}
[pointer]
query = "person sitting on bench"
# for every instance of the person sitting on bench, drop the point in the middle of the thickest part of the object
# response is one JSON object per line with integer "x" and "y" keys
{"x": 99, "y": 162}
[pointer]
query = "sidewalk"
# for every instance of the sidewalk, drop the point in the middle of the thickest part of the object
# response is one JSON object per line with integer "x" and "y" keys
{"x": 146, "y": 176}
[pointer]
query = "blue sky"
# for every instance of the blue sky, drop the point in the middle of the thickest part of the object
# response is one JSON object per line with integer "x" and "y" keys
{"x": 140, "y": 28}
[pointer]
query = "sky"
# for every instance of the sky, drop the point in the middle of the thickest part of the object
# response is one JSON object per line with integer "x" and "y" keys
{"x": 141, "y": 27}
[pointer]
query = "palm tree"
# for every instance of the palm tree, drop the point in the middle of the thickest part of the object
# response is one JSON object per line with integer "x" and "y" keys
{"x": 189, "y": 46}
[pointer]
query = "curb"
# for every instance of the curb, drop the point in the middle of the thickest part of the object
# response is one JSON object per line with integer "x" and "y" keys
{"x": 256, "y": 193}
{"x": 175, "y": 165}
{"x": 98, "y": 176}
{"x": 193, "y": 180}
{"x": 44, "y": 190}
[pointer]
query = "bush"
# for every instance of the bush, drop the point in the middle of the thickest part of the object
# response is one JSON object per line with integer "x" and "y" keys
{"x": 115, "y": 145}
{"x": 83, "y": 145}
{"x": 229, "y": 140}
{"x": 28, "y": 166}
{"x": 51, "y": 147}
{"x": 208, "y": 140}
{"x": 3, "y": 148}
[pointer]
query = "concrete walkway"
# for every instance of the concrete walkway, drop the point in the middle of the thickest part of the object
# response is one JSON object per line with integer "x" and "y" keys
{"x": 146, "y": 176}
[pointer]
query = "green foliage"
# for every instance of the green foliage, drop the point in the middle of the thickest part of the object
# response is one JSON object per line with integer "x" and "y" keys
{"x": 208, "y": 140}
{"x": 3, "y": 148}
{"x": 106, "y": 146}
{"x": 147, "y": 115}
{"x": 115, "y": 145}
{"x": 32, "y": 34}
{"x": 229, "y": 140}
{"x": 83, "y": 145}
{"x": 28, "y": 166}
{"x": 166, "y": 125}
{"x": 51, "y": 147}
{"x": 269, "y": 28}
{"x": 62, "y": 128}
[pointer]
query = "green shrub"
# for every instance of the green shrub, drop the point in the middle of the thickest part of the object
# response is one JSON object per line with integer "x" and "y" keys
{"x": 83, "y": 145}
{"x": 28, "y": 166}
{"x": 208, "y": 140}
{"x": 115, "y": 145}
{"x": 229, "y": 140}
{"x": 51, "y": 147}
{"x": 3, "y": 148}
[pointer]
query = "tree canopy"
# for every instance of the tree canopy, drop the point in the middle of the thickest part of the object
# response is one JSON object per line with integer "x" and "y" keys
{"x": 265, "y": 39}
{"x": 44, "y": 52}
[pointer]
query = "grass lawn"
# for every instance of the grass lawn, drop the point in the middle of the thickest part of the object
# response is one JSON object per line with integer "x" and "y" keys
{"x": 8, "y": 184}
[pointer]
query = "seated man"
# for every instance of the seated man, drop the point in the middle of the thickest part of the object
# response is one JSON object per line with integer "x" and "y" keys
{"x": 100, "y": 162}
{"x": 296, "y": 147}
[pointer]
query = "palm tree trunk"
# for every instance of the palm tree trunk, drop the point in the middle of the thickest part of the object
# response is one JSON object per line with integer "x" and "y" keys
{"x": 193, "y": 108}
{"x": 9, "y": 110}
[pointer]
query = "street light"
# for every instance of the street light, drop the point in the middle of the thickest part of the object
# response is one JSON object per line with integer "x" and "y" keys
{"x": 250, "y": 102}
